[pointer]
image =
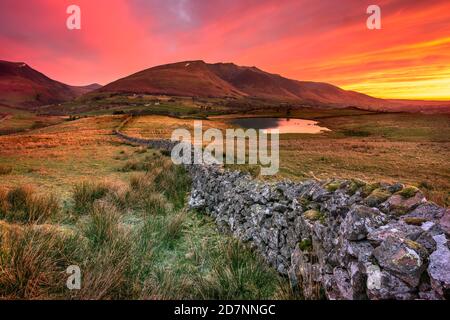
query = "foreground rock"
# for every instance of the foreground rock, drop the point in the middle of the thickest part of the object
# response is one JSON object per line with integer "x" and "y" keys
{"x": 335, "y": 239}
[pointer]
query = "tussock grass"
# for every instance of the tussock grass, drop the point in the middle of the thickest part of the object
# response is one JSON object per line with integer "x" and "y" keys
{"x": 174, "y": 184}
{"x": 141, "y": 181}
{"x": 155, "y": 203}
{"x": 133, "y": 165}
{"x": 164, "y": 285}
{"x": 103, "y": 225}
{"x": 106, "y": 272}
{"x": 32, "y": 262}
{"x": 236, "y": 273}
{"x": 86, "y": 193}
{"x": 22, "y": 204}
{"x": 174, "y": 228}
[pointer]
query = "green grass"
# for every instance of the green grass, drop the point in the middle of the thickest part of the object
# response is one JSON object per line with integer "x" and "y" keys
{"x": 132, "y": 240}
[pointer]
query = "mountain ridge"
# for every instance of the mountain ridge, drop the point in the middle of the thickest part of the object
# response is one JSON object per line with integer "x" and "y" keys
{"x": 228, "y": 80}
{"x": 25, "y": 87}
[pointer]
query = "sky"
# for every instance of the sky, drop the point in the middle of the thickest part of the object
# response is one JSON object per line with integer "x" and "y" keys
{"x": 327, "y": 41}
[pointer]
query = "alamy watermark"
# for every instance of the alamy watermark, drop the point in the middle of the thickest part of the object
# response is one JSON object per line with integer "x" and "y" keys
{"x": 239, "y": 146}
{"x": 374, "y": 20}
{"x": 73, "y": 22}
{"x": 74, "y": 280}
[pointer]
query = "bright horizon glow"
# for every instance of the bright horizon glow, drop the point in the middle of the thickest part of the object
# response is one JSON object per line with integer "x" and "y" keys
{"x": 326, "y": 41}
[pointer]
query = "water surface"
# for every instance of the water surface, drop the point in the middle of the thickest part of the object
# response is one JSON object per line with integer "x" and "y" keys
{"x": 285, "y": 125}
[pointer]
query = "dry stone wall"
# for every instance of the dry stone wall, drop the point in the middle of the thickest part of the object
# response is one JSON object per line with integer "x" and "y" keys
{"x": 339, "y": 239}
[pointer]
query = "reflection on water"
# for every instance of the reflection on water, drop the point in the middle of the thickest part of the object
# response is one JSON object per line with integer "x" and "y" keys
{"x": 284, "y": 125}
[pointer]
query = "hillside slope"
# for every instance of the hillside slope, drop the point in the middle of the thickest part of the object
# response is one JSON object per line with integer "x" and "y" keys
{"x": 227, "y": 80}
{"x": 22, "y": 86}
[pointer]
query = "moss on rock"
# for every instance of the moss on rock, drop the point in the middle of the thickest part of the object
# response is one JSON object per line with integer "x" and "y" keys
{"x": 305, "y": 245}
{"x": 377, "y": 196}
{"x": 408, "y": 192}
{"x": 355, "y": 185}
{"x": 333, "y": 186}
{"x": 368, "y": 188}
{"x": 417, "y": 221}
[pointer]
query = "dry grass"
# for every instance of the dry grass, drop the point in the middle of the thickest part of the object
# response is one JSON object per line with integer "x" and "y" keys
{"x": 126, "y": 230}
{"x": 32, "y": 262}
{"x": 127, "y": 255}
{"x": 157, "y": 127}
{"x": 58, "y": 156}
{"x": 22, "y": 204}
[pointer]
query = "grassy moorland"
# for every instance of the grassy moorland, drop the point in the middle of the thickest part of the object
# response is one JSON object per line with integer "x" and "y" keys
{"x": 75, "y": 195}
{"x": 16, "y": 120}
{"x": 411, "y": 148}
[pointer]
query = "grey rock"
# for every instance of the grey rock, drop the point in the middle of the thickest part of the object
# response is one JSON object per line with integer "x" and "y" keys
{"x": 361, "y": 220}
{"x": 439, "y": 268}
{"x": 382, "y": 285}
{"x": 403, "y": 257}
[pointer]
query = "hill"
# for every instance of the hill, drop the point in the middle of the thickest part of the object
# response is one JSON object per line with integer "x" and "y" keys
{"x": 227, "y": 80}
{"x": 230, "y": 81}
{"x": 24, "y": 87}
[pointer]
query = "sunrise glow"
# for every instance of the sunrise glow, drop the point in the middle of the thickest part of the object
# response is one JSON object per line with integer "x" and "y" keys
{"x": 409, "y": 58}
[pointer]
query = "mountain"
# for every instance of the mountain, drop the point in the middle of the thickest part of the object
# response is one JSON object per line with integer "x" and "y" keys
{"x": 22, "y": 86}
{"x": 227, "y": 80}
